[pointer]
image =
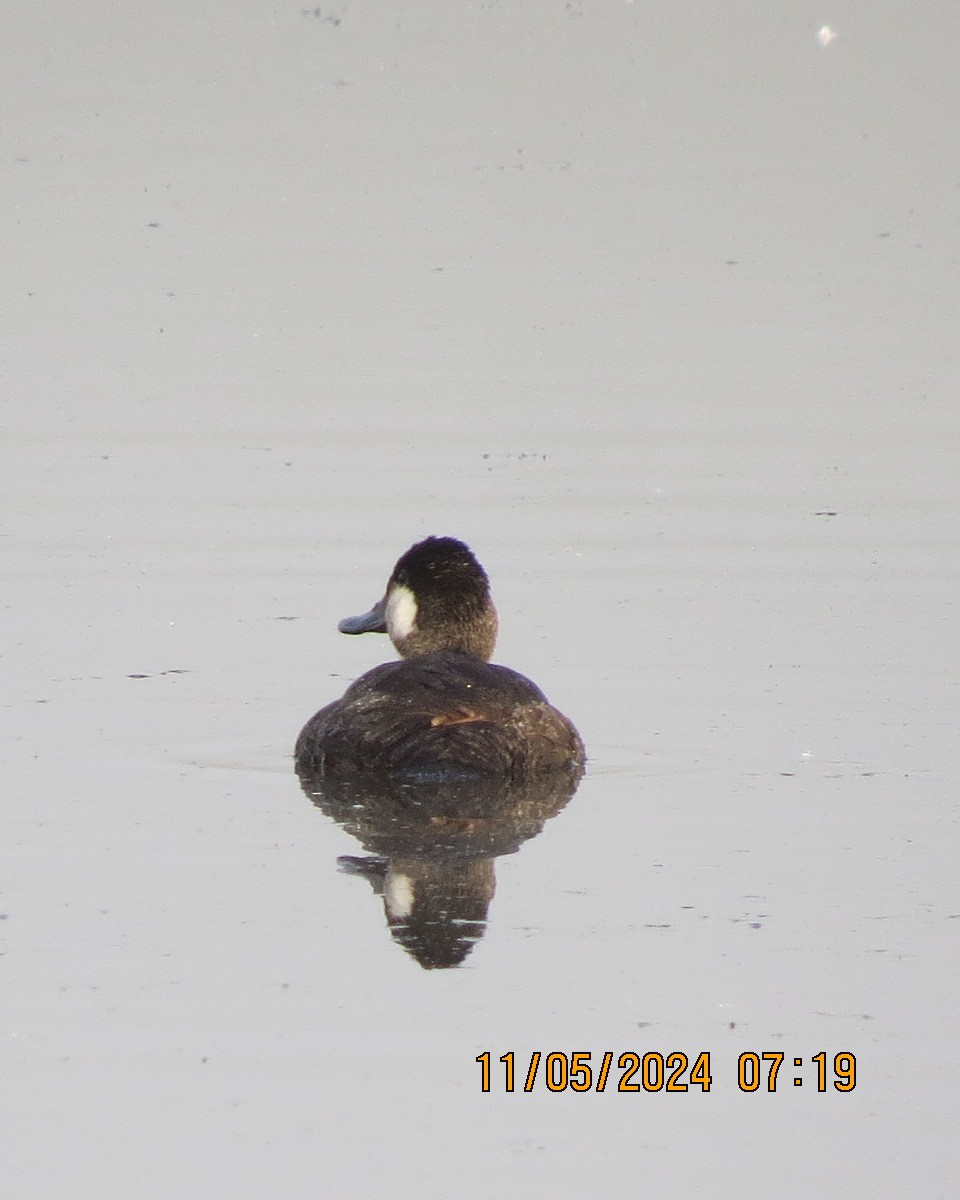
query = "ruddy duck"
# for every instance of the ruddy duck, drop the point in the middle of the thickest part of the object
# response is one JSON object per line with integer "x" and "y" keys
{"x": 444, "y": 710}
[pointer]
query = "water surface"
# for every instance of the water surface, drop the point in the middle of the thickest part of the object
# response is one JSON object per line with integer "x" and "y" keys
{"x": 656, "y": 311}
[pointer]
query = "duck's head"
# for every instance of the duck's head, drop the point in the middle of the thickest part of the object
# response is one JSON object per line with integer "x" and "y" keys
{"x": 438, "y": 598}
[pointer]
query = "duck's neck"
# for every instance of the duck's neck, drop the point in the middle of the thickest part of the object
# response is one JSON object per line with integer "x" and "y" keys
{"x": 476, "y": 638}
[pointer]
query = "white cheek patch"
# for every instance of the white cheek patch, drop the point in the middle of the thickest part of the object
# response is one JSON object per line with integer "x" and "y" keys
{"x": 401, "y": 612}
{"x": 398, "y": 896}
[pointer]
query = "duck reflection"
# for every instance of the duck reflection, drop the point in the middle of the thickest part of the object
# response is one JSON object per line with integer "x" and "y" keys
{"x": 432, "y": 845}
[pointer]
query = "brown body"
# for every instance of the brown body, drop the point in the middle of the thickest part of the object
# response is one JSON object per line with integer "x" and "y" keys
{"x": 441, "y": 713}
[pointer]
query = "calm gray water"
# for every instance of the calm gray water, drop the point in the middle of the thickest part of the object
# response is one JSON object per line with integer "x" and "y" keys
{"x": 657, "y": 309}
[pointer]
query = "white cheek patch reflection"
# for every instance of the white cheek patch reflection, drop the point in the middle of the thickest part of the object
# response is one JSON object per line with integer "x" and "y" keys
{"x": 401, "y": 612}
{"x": 398, "y": 896}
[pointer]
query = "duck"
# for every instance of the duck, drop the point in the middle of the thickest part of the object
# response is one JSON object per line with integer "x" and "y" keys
{"x": 444, "y": 711}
